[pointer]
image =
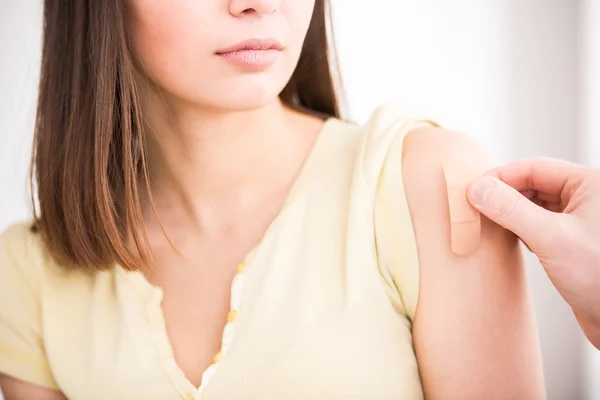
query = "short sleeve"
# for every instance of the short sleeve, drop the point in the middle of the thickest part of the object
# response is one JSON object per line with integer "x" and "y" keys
{"x": 22, "y": 354}
{"x": 394, "y": 234}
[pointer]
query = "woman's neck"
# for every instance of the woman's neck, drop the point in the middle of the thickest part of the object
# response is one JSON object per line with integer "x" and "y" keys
{"x": 209, "y": 164}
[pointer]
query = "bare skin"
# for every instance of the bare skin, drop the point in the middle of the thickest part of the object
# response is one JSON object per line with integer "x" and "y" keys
{"x": 474, "y": 331}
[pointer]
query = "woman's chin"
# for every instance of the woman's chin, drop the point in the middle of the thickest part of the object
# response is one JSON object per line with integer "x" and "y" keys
{"x": 247, "y": 103}
{"x": 240, "y": 101}
{"x": 242, "y": 93}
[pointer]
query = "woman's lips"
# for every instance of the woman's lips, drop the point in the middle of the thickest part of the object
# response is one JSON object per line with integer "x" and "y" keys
{"x": 251, "y": 58}
{"x": 253, "y": 53}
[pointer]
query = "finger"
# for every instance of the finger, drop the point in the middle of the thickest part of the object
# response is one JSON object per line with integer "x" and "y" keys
{"x": 549, "y": 177}
{"x": 508, "y": 208}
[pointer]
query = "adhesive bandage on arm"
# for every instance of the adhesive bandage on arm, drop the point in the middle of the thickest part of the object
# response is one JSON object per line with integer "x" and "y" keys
{"x": 465, "y": 221}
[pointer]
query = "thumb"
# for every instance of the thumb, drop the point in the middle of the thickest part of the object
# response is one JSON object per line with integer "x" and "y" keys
{"x": 510, "y": 209}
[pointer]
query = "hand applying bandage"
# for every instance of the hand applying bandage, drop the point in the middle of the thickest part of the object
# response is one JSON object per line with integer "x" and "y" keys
{"x": 554, "y": 207}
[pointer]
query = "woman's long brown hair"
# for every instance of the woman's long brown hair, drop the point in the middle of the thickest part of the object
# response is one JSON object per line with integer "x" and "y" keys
{"x": 88, "y": 161}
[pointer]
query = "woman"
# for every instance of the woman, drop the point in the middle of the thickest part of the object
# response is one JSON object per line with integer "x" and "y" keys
{"x": 208, "y": 229}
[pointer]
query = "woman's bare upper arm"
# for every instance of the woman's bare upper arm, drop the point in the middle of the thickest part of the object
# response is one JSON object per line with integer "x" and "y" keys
{"x": 15, "y": 389}
{"x": 474, "y": 330}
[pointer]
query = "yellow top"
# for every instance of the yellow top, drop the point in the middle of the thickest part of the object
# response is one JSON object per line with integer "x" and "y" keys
{"x": 321, "y": 308}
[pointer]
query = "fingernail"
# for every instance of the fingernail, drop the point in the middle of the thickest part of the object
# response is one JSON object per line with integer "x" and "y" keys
{"x": 480, "y": 189}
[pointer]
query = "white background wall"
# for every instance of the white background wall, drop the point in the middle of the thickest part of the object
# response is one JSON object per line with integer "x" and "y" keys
{"x": 520, "y": 76}
{"x": 20, "y": 31}
{"x": 589, "y": 15}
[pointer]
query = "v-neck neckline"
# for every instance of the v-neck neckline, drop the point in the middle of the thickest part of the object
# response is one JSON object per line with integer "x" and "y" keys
{"x": 152, "y": 295}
